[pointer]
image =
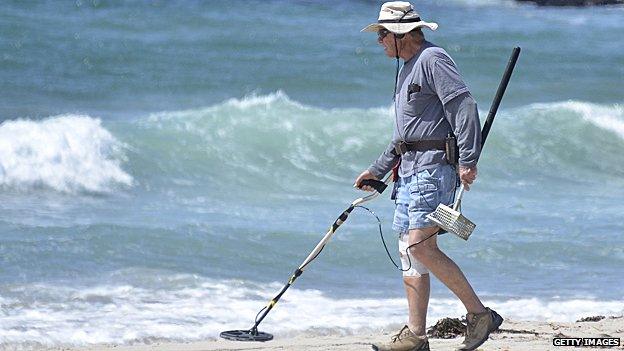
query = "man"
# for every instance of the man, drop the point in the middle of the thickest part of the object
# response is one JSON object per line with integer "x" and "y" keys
{"x": 431, "y": 103}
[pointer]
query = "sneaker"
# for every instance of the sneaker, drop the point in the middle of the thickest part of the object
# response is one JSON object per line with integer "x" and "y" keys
{"x": 480, "y": 325}
{"x": 405, "y": 340}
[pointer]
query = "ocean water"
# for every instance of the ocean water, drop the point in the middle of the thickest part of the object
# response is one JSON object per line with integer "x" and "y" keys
{"x": 165, "y": 167}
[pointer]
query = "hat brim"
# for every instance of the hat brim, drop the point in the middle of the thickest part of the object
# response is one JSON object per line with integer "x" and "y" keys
{"x": 399, "y": 28}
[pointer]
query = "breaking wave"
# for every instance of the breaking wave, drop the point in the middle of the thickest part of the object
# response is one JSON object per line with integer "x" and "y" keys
{"x": 273, "y": 140}
{"x": 67, "y": 153}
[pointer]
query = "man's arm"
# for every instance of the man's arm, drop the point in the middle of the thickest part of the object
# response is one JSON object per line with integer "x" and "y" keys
{"x": 384, "y": 162}
{"x": 462, "y": 114}
{"x": 460, "y": 110}
{"x": 379, "y": 168}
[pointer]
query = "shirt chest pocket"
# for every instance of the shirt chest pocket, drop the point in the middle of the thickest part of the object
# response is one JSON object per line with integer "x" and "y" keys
{"x": 416, "y": 104}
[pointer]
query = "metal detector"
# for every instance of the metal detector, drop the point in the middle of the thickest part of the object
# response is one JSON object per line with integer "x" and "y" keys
{"x": 253, "y": 334}
{"x": 451, "y": 219}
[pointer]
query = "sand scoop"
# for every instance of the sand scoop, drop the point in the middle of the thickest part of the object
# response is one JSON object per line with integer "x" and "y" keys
{"x": 451, "y": 219}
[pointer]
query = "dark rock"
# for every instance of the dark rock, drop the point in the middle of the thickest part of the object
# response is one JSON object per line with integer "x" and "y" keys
{"x": 447, "y": 328}
{"x": 592, "y": 319}
{"x": 574, "y": 2}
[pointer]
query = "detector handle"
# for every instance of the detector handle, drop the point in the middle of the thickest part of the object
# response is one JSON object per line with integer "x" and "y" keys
{"x": 378, "y": 185}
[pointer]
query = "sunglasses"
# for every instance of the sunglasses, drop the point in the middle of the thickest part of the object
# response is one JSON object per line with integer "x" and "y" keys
{"x": 382, "y": 33}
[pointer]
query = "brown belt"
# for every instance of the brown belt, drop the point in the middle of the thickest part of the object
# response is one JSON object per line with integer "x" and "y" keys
{"x": 420, "y": 145}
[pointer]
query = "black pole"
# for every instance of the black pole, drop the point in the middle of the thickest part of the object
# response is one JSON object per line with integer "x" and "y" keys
{"x": 499, "y": 94}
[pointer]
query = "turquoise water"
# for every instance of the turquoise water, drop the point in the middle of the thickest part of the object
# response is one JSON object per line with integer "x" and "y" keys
{"x": 164, "y": 168}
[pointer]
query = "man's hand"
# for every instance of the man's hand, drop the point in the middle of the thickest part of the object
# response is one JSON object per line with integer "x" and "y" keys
{"x": 365, "y": 175}
{"x": 467, "y": 175}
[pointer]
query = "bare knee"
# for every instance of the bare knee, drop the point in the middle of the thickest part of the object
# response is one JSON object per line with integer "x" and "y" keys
{"x": 423, "y": 253}
{"x": 423, "y": 244}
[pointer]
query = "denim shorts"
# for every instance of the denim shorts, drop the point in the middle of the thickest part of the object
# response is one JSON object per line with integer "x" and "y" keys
{"x": 420, "y": 194}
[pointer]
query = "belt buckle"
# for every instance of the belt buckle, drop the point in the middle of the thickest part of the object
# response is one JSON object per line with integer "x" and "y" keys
{"x": 400, "y": 148}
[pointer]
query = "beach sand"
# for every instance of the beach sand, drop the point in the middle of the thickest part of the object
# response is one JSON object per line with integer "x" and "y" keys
{"x": 514, "y": 335}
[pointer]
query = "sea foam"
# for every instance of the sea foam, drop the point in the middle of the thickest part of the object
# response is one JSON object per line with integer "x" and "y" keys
{"x": 182, "y": 307}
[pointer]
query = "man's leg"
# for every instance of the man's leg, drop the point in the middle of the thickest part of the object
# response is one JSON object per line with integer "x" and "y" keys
{"x": 443, "y": 268}
{"x": 417, "y": 286}
{"x": 416, "y": 280}
{"x": 417, "y": 289}
{"x": 481, "y": 321}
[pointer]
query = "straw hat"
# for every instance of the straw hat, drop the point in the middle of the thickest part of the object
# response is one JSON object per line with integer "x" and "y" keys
{"x": 398, "y": 17}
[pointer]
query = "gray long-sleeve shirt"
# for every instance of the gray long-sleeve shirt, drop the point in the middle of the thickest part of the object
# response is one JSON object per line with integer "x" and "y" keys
{"x": 431, "y": 101}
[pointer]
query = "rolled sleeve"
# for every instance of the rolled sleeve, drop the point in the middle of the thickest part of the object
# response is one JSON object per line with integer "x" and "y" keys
{"x": 447, "y": 81}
